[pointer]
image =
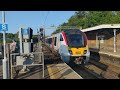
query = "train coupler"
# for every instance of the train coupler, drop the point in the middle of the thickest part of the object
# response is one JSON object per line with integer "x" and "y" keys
{"x": 79, "y": 60}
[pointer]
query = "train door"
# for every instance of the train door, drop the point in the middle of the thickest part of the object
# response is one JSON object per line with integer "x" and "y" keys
{"x": 58, "y": 41}
{"x": 61, "y": 40}
{"x": 55, "y": 43}
{"x": 50, "y": 42}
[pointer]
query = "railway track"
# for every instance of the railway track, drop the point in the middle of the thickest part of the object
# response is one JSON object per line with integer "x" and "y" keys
{"x": 50, "y": 55}
{"x": 102, "y": 69}
{"x": 98, "y": 70}
{"x": 85, "y": 72}
{"x": 93, "y": 70}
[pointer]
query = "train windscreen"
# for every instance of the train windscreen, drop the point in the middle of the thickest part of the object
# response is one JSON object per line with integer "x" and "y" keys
{"x": 75, "y": 40}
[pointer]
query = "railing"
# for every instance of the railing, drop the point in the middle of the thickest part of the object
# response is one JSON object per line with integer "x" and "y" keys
{"x": 31, "y": 59}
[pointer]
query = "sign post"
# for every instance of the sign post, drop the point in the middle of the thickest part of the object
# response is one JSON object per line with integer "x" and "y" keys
{"x": 4, "y": 28}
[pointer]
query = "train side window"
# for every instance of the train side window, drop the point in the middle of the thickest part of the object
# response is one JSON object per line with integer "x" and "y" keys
{"x": 55, "y": 41}
{"x": 50, "y": 40}
{"x": 61, "y": 38}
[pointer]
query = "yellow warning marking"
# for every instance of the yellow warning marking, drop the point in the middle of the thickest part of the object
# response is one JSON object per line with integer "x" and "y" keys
{"x": 79, "y": 51}
{"x": 61, "y": 71}
{"x": 54, "y": 72}
{"x": 50, "y": 72}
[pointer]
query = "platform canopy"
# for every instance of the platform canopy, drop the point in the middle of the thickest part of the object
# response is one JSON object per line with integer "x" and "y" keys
{"x": 103, "y": 26}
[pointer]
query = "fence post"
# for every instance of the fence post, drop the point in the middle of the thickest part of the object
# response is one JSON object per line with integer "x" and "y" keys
{"x": 9, "y": 64}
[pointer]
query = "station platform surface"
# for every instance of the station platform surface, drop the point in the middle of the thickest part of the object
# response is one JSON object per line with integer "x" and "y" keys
{"x": 62, "y": 71}
{"x": 106, "y": 52}
{"x": 52, "y": 71}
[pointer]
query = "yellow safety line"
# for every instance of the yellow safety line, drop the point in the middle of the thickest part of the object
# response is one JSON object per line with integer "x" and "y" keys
{"x": 54, "y": 73}
{"x": 50, "y": 72}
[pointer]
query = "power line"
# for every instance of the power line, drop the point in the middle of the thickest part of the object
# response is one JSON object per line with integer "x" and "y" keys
{"x": 64, "y": 27}
{"x": 46, "y": 17}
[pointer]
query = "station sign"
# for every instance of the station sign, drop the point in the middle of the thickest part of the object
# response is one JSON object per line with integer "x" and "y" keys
{"x": 3, "y": 27}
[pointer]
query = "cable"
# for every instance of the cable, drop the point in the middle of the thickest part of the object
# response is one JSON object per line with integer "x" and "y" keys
{"x": 46, "y": 17}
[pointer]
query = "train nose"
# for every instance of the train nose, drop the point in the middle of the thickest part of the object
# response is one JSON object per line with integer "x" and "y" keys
{"x": 78, "y": 51}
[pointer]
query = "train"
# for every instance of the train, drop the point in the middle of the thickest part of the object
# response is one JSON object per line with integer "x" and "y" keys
{"x": 71, "y": 45}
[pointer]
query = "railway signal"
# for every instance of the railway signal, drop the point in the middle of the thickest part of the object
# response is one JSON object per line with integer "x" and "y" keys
{"x": 41, "y": 34}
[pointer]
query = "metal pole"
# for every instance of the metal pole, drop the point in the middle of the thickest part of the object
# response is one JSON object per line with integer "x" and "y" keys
{"x": 5, "y": 61}
{"x": 44, "y": 34}
{"x": 43, "y": 64}
{"x": 38, "y": 35}
{"x": 9, "y": 60}
{"x": 20, "y": 36}
{"x": 114, "y": 40}
{"x": 96, "y": 41}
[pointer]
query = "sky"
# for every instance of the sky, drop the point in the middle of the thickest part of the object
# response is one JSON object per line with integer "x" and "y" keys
{"x": 35, "y": 19}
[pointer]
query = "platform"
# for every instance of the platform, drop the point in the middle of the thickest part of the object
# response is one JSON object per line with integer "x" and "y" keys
{"x": 52, "y": 71}
{"x": 62, "y": 71}
{"x": 113, "y": 54}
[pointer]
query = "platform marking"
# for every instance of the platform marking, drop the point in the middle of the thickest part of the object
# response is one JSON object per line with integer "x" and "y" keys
{"x": 54, "y": 72}
{"x": 57, "y": 73}
{"x": 50, "y": 72}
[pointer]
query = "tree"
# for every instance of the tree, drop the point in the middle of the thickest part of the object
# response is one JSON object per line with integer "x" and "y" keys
{"x": 87, "y": 19}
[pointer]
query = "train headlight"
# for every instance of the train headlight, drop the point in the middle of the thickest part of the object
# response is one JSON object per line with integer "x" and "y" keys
{"x": 85, "y": 51}
{"x": 70, "y": 51}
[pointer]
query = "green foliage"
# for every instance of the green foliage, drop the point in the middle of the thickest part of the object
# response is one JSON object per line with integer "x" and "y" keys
{"x": 86, "y": 19}
{"x": 9, "y": 37}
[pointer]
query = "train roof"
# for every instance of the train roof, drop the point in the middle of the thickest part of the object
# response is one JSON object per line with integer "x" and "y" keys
{"x": 67, "y": 31}
{"x": 72, "y": 31}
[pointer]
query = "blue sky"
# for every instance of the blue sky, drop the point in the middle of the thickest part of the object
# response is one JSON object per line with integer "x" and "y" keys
{"x": 35, "y": 19}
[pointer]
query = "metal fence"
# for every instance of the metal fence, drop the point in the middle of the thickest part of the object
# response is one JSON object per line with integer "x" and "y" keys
{"x": 28, "y": 59}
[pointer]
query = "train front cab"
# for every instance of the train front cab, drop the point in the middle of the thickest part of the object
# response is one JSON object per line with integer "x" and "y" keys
{"x": 80, "y": 55}
{"x": 75, "y": 54}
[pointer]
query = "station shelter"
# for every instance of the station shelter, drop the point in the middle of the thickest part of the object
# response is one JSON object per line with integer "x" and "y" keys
{"x": 105, "y": 37}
